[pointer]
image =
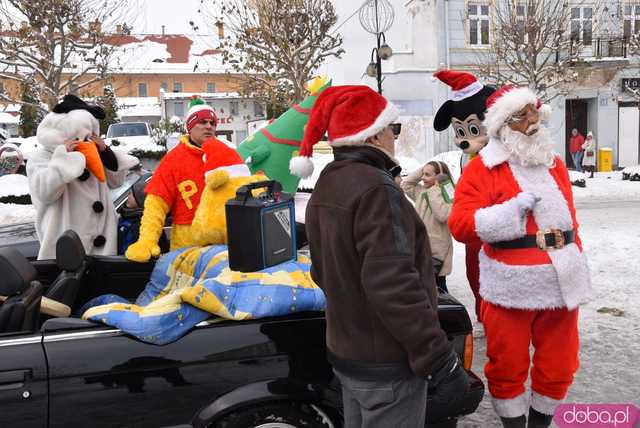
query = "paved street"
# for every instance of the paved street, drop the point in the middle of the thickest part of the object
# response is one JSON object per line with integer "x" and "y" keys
{"x": 609, "y": 343}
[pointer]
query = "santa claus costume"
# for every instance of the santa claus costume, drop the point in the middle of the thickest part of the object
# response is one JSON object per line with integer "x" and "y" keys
{"x": 516, "y": 198}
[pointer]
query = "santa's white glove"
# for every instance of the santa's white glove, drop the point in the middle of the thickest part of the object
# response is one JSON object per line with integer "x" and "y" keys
{"x": 526, "y": 202}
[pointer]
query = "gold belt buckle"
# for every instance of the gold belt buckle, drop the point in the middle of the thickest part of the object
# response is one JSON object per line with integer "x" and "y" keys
{"x": 542, "y": 241}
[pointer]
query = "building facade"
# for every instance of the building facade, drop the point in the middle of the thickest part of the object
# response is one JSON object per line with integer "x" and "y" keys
{"x": 234, "y": 112}
{"x": 598, "y": 99}
{"x": 429, "y": 34}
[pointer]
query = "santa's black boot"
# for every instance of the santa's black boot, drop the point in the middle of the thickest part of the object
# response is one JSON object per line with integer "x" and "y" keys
{"x": 518, "y": 422}
{"x": 538, "y": 420}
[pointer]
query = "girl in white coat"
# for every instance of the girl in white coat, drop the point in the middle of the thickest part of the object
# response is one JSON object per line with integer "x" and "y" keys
{"x": 589, "y": 159}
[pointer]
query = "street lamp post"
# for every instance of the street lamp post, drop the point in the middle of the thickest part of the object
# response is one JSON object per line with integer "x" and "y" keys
{"x": 376, "y": 17}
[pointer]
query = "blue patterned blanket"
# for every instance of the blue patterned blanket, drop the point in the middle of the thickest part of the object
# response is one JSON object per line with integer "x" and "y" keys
{"x": 189, "y": 285}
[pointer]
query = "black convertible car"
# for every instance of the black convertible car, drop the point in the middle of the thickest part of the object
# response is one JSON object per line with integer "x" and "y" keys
{"x": 264, "y": 373}
{"x": 62, "y": 372}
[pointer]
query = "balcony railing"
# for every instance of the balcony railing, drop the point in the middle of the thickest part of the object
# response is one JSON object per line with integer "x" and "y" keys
{"x": 603, "y": 47}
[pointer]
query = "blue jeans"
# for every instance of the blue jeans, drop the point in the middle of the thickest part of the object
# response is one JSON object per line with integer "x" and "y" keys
{"x": 577, "y": 160}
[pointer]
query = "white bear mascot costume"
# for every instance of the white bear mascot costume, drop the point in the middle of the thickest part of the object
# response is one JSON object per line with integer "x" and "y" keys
{"x": 65, "y": 193}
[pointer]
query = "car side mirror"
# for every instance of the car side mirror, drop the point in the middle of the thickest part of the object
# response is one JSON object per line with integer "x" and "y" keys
{"x": 103, "y": 136}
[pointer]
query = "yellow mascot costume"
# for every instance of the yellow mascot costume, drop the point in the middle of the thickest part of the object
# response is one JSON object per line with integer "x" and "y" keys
{"x": 195, "y": 192}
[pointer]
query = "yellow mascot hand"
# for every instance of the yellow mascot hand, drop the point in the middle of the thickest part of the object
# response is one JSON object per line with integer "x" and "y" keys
{"x": 217, "y": 178}
{"x": 153, "y": 217}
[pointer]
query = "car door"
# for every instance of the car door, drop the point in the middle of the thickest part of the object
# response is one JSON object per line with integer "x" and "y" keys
{"x": 101, "y": 377}
{"x": 23, "y": 381}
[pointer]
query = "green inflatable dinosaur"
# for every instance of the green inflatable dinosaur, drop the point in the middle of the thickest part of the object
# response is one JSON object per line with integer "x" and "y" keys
{"x": 270, "y": 149}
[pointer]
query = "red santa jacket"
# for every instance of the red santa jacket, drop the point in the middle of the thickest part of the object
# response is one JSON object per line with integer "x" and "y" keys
{"x": 485, "y": 208}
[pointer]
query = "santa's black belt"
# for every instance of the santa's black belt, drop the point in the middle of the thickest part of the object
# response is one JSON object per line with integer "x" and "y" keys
{"x": 544, "y": 239}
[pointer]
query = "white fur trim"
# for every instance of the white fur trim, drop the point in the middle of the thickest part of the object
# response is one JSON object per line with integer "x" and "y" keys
{"x": 544, "y": 404}
{"x": 197, "y": 108}
{"x": 238, "y": 170}
{"x": 386, "y": 117}
{"x": 467, "y": 91}
{"x": 505, "y": 106}
{"x": 301, "y": 166}
{"x": 552, "y": 211}
{"x": 70, "y": 165}
{"x": 501, "y": 222}
{"x": 519, "y": 286}
{"x": 545, "y": 111}
{"x": 511, "y": 407}
{"x": 493, "y": 153}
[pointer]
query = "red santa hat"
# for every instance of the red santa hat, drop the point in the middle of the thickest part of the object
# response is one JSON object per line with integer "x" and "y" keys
{"x": 198, "y": 111}
{"x": 220, "y": 157}
{"x": 508, "y": 100}
{"x": 463, "y": 84}
{"x": 349, "y": 114}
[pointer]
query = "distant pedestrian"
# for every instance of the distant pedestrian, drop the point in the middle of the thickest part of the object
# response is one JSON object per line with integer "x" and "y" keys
{"x": 431, "y": 188}
{"x": 575, "y": 148}
{"x": 589, "y": 159}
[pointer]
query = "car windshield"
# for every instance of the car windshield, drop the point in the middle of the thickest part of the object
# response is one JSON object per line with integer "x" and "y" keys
{"x": 127, "y": 130}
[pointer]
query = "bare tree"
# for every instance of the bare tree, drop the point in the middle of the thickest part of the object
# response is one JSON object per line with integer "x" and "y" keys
{"x": 59, "y": 43}
{"x": 535, "y": 43}
{"x": 276, "y": 45}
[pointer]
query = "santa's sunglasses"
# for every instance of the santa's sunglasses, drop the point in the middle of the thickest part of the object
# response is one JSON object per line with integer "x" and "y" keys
{"x": 396, "y": 128}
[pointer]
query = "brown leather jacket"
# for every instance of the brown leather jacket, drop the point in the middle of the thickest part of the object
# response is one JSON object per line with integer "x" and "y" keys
{"x": 370, "y": 254}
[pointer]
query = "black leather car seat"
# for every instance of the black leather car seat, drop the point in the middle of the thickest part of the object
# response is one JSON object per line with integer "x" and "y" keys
{"x": 21, "y": 310}
{"x": 73, "y": 263}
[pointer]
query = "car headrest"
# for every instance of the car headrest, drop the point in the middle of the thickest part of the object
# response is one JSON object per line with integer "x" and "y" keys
{"x": 138, "y": 189}
{"x": 16, "y": 272}
{"x": 69, "y": 251}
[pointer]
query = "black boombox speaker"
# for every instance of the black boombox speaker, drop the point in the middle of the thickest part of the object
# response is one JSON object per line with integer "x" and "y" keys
{"x": 261, "y": 229}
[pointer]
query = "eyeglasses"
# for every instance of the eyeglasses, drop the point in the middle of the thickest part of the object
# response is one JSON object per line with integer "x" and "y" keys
{"x": 519, "y": 117}
{"x": 396, "y": 128}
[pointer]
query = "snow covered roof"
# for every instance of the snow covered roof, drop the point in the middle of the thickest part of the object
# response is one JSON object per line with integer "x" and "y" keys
{"x": 203, "y": 95}
{"x": 138, "y": 106}
{"x": 9, "y": 118}
{"x": 10, "y": 108}
{"x": 176, "y": 54}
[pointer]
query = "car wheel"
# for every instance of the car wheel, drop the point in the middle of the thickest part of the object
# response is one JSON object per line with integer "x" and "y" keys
{"x": 276, "y": 415}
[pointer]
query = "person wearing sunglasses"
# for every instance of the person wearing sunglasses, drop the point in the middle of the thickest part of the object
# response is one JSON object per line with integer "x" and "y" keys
{"x": 370, "y": 254}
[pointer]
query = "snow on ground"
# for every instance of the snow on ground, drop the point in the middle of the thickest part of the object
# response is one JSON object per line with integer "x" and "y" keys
{"x": 607, "y": 186}
{"x": 13, "y": 184}
{"x": 608, "y": 210}
{"x": 13, "y": 213}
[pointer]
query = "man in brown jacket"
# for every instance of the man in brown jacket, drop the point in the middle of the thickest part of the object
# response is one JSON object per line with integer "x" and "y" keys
{"x": 370, "y": 254}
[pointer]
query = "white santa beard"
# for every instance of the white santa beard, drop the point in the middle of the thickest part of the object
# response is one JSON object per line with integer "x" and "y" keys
{"x": 528, "y": 150}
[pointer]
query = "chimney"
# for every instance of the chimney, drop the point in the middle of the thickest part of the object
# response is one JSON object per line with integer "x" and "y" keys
{"x": 220, "y": 26}
{"x": 163, "y": 30}
{"x": 119, "y": 29}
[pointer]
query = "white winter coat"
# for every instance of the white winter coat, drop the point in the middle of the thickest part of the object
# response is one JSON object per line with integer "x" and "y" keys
{"x": 589, "y": 146}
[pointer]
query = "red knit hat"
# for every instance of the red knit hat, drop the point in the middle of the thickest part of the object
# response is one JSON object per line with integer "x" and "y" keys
{"x": 508, "y": 100}
{"x": 219, "y": 156}
{"x": 349, "y": 114}
{"x": 463, "y": 84}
